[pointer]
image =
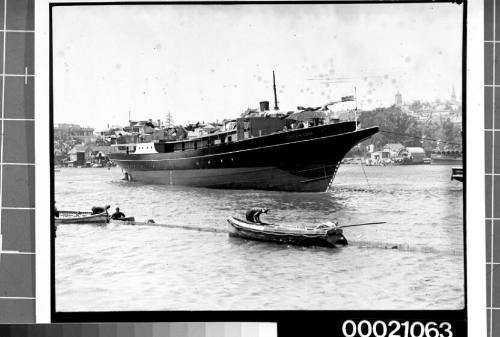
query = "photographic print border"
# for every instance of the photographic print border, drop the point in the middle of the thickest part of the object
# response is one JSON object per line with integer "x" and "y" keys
{"x": 293, "y": 320}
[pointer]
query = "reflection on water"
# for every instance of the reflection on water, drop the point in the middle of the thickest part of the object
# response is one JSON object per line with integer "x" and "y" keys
{"x": 156, "y": 268}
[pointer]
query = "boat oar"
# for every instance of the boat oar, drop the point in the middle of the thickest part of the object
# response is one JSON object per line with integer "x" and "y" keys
{"x": 362, "y": 224}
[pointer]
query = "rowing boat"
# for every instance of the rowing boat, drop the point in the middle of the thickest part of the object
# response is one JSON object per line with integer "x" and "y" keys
{"x": 321, "y": 235}
{"x": 76, "y": 217}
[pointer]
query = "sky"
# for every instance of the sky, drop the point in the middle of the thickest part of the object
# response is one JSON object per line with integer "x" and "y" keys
{"x": 210, "y": 62}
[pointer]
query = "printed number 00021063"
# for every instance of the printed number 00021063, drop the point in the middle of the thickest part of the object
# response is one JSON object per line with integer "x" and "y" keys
{"x": 379, "y": 328}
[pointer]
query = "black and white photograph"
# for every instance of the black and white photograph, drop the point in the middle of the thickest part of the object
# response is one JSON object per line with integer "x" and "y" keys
{"x": 258, "y": 156}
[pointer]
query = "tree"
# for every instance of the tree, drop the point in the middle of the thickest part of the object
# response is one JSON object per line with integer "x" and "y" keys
{"x": 395, "y": 125}
{"x": 416, "y": 106}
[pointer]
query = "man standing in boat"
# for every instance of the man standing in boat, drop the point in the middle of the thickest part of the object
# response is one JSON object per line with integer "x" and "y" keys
{"x": 253, "y": 215}
{"x": 98, "y": 209}
{"x": 117, "y": 215}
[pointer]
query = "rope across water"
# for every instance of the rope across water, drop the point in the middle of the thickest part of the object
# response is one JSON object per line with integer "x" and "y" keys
{"x": 353, "y": 243}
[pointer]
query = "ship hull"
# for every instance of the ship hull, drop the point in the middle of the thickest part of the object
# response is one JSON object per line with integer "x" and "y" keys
{"x": 259, "y": 178}
{"x": 303, "y": 161}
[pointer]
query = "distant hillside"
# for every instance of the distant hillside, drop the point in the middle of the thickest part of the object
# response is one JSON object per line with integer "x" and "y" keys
{"x": 397, "y": 126}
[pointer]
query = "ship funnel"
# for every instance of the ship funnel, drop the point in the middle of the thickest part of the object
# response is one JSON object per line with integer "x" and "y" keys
{"x": 264, "y": 106}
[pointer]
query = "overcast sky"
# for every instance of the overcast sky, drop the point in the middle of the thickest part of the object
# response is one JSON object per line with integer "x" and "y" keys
{"x": 208, "y": 62}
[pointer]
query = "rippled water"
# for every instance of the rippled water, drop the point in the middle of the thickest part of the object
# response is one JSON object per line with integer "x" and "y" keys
{"x": 112, "y": 267}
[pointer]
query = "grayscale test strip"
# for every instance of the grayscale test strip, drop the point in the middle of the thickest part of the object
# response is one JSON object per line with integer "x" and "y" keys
{"x": 17, "y": 157}
{"x": 492, "y": 164}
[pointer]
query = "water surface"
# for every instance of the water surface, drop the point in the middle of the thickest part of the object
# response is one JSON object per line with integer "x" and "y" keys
{"x": 101, "y": 268}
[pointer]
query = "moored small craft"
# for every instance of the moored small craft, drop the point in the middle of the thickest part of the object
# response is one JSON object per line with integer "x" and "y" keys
{"x": 457, "y": 173}
{"x": 446, "y": 157}
{"x": 76, "y": 217}
{"x": 322, "y": 235}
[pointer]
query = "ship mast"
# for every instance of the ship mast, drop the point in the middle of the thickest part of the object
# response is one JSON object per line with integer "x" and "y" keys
{"x": 275, "y": 97}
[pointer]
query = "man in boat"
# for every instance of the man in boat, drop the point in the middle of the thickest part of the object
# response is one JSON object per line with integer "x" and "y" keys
{"x": 253, "y": 215}
{"x": 117, "y": 215}
{"x": 98, "y": 209}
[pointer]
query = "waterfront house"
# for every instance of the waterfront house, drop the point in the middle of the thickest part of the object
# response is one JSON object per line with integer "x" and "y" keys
{"x": 73, "y": 131}
{"x": 379, "y": 158}
{"x": 394, "y": 149}
{"x": 80, "y": 154}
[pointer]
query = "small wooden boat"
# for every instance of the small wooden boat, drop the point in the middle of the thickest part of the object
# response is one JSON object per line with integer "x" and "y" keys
{"x": 75, "y": 217}
{"x": 129, "y": 220}
{"x": 321, "y": 235}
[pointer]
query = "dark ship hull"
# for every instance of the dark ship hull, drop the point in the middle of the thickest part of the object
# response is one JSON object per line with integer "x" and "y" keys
{"x": 302, "y": 160}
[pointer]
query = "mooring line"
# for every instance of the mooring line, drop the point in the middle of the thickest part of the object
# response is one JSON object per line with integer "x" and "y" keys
{"x": 418, "y": 137}
{"x": 405, "y": 247}
{"x": 363, "y": 167}
{"x": 188, "y": 227}
{"x": 353, "y": 243}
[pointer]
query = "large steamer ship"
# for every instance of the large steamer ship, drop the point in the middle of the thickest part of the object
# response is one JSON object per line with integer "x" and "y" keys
{"x": 266, "y": 151}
